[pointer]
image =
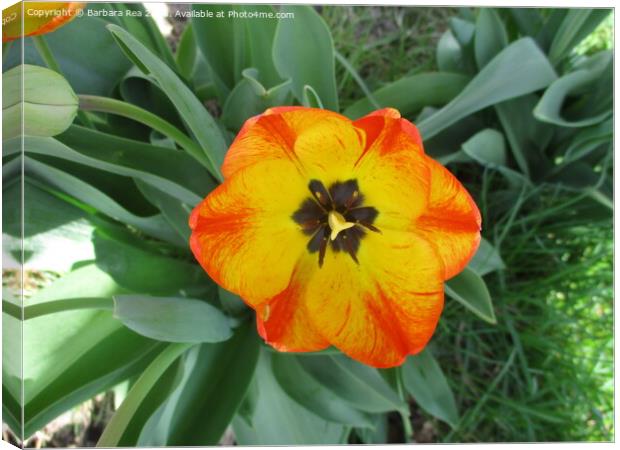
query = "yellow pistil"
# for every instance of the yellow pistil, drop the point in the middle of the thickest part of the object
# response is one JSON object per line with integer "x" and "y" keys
{"x": 337, "y": 223}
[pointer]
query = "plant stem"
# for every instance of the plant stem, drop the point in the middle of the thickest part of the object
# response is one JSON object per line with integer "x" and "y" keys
{"x": 48, "y": 58}
{"x": 120, "y": 108}
{"x": 406, "y": 418}
{"x": 46, "y": 53}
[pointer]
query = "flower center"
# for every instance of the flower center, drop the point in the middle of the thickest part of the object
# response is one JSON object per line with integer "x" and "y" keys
{"x": 335, "y": 217}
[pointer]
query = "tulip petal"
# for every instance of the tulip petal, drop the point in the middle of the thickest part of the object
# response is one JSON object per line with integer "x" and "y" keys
{"x": 243, "y": 234}
{"x": 377, "y": 312}
{"x": 284, "y": 323}
{"x": 329, "y": 149}
{"x": 452, "y": 221}
{"x": 392, "y": 173}
{"x": 272, "y": 136}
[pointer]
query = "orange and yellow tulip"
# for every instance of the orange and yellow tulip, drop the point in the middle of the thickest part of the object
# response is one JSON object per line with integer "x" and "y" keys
{"x": 38, "y": 18}
{"x": 336, "y": 232}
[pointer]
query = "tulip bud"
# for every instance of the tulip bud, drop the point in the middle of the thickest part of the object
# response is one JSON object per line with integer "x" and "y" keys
{"x": 49, "y": 104}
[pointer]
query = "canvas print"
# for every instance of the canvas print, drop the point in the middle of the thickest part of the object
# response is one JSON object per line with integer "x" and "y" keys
{"x": 249, "y": 224}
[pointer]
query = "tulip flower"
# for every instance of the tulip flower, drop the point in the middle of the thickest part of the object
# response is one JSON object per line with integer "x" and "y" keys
{"x": 38, "y": 18}
{"x": 337, "y": 232}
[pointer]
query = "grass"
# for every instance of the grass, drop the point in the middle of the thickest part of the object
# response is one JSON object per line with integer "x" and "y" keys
{"x": 383, "y": 44}
{"x": 544, "y": 372}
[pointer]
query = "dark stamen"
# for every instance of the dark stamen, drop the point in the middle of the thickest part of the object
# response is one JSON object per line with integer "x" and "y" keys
{"x": 320, "y": 194}
{"x": 315, "y": 215}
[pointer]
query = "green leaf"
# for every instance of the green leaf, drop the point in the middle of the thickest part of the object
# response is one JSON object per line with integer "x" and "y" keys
{"x": 576, "y": 26}
{"x": 172, "y": 319}
{"x": 279, "y": 420}
{"x": 305, "y": 390}
{"x": 142, "y": 90}
{"x": 469, "y": 289}
{"x": 139, "y": 22}
{"x": 152, "y": 403}
{"x": 425, "y": 381}
{"x": 260, "y": 33}
{"x": 144, "y": 271}
{"x": 549, "y": 30}
{"x": 582, "y": 81}
{"x": 214, "y": 390}
{"x": 487, "y": 148}
{"x": 173, "y": 171}
{"x": 359, "y": 385}
{"x": 587, "y": 140}
{"x": 491, "y": 37}
{"x": 306, "y": 61}
{"x": 222, "y": 43}
{"x": 39, "y": 99}
{"x": 529, "y": 20}
{"x": 154, "y": 226}
{"x": 463, "y": 31}
{"x": 528, "y": 137}
{"x": 186, "y": 54}
{"x": 449, "y": 54}
{"x": 121, "y": 420}
{"x": 517, "y": 70}
{"x": 198, "y": 120}
{"x": 486, "y": 259}
{"x": 425, "y": 89}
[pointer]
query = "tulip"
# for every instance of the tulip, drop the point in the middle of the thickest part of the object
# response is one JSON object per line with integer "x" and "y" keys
{"x": 38, "y": 18}
{"x": 337, "y": 232}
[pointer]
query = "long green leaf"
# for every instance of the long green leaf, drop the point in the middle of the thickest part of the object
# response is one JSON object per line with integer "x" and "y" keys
{"x": 196, "y": 117}
{"x": 113, "y": 432}
{"x": 155, "y": 225}
{"x": 490, "y": 38}
{"x": 161, "y": 167}
{"x": 519, "y": 69}
{"x": 306, "y": 61}
{"x": 222, "y": 43}
{"x": 425, "y": 381}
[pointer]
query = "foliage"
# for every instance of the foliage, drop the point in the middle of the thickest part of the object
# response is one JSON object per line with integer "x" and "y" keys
{"x": 516, "y": 112}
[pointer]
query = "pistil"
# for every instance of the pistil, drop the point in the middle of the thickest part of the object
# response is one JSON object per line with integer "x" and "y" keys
{"x": 337, "y": 223}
